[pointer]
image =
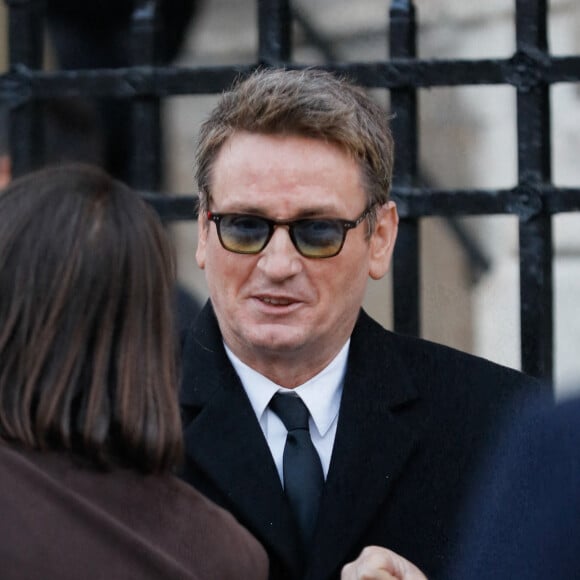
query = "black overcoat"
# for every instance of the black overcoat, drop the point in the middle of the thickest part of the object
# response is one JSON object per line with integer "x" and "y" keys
{"x": 414, "y": 421}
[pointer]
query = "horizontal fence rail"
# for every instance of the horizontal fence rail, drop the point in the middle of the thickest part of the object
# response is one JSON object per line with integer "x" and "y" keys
{"x": 429, "y": 202}
{"x": 23, "y": 83}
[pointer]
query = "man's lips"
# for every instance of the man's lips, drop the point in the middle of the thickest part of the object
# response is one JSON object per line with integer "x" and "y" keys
{"x": 277, "y": 300}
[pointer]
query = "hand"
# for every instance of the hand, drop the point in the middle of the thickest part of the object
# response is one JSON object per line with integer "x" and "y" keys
{"x": 377, "y": 563}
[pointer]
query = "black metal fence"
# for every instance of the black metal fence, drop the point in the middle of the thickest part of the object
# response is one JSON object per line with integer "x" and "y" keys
{"x": 531, "y": 70}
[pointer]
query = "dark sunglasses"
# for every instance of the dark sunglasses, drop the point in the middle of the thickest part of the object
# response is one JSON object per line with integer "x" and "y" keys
{"x": 312, "y": 237}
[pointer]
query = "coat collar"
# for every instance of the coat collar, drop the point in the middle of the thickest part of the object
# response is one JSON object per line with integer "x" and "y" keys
{"x": 371, "y": 447}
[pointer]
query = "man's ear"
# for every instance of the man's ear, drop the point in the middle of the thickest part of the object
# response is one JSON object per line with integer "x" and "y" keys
{"x": 382, "y": 240}
{"x": 202, "y": 232}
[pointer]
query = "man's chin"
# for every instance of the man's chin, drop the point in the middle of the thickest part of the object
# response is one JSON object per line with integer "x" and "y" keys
{"x": 270, "y": 340}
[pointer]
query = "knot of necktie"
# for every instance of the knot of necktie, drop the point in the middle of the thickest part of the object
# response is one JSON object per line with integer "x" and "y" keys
{"x": 291, "y": 410}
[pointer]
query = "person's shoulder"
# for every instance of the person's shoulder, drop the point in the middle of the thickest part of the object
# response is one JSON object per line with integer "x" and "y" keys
{"x": 421, "y": 347}
{"x": 450, "y": 354}
{"x": 423, "y": 358}
{"x": 202, "y": 517}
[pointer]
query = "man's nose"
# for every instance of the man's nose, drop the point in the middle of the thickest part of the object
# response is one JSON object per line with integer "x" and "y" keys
{"x": 280, "y": 259}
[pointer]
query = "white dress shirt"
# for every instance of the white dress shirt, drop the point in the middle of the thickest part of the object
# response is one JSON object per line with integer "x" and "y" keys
{"x": 321, "y": 395}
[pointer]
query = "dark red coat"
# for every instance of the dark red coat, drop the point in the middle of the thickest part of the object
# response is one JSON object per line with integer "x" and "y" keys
{"x": 62, "y": 521}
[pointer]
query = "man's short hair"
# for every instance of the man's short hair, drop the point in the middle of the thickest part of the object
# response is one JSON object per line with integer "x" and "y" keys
{"x": 310, "y": 103}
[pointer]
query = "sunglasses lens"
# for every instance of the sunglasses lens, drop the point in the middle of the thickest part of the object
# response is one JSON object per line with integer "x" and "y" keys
{"x": 243, "y": 234}
{"x": 319, "y": 238}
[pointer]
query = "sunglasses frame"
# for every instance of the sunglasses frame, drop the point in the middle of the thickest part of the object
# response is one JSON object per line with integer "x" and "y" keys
{"x": 346, "y": 225}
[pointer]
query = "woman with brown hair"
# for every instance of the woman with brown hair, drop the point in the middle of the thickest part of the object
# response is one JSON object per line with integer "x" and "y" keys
{"x": 89, "y": 421}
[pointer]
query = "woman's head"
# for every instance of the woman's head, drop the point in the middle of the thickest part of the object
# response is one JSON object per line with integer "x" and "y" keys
{"x": 87, "y": 355}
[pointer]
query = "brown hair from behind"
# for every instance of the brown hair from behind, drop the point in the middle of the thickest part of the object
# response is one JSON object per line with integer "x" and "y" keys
{"x": 310, "y": 103}
{"x": 87, "y": 351}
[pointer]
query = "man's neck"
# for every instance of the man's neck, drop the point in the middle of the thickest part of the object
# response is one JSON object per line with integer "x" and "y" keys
{"x": 287, "y": 372}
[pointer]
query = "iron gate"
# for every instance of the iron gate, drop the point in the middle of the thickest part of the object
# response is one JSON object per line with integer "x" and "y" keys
{"x": 531, "y": 70}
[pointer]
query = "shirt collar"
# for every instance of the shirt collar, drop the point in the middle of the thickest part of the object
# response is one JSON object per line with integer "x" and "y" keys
{"x": 321, "y": 394}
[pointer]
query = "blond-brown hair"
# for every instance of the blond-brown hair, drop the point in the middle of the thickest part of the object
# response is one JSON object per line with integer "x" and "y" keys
{"x": 87, "y": 352}
{"x": 310, "y": 103}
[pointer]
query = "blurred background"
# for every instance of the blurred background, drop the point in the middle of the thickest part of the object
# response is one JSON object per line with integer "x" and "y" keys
{"x": 470, "y": 271}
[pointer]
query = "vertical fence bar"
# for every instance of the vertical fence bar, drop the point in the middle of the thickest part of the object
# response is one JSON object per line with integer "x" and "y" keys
{"x": 406, "y": 268}
{"x": 25, "y": 43}
{"x": 534, "y": 168}
{"x": 274, "y": 32}
{"x": 145, "y": 159}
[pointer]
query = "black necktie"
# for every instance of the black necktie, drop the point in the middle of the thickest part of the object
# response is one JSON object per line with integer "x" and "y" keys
{"x": 303, "y": 476}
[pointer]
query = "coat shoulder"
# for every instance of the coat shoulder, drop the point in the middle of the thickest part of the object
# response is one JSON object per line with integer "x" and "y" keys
{"x": 447, "y": 378}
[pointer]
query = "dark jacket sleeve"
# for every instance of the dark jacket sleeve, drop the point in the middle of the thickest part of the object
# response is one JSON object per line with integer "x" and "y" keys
{"x": 524, "y": 521}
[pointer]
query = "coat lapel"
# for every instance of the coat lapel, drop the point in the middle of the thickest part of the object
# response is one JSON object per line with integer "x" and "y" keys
{"x": 373, "y": 443}
{"x": 226, "y": 444}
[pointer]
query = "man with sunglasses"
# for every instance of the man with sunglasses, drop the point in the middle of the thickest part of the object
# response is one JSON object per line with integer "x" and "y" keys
{"x": 384, "y": 431}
